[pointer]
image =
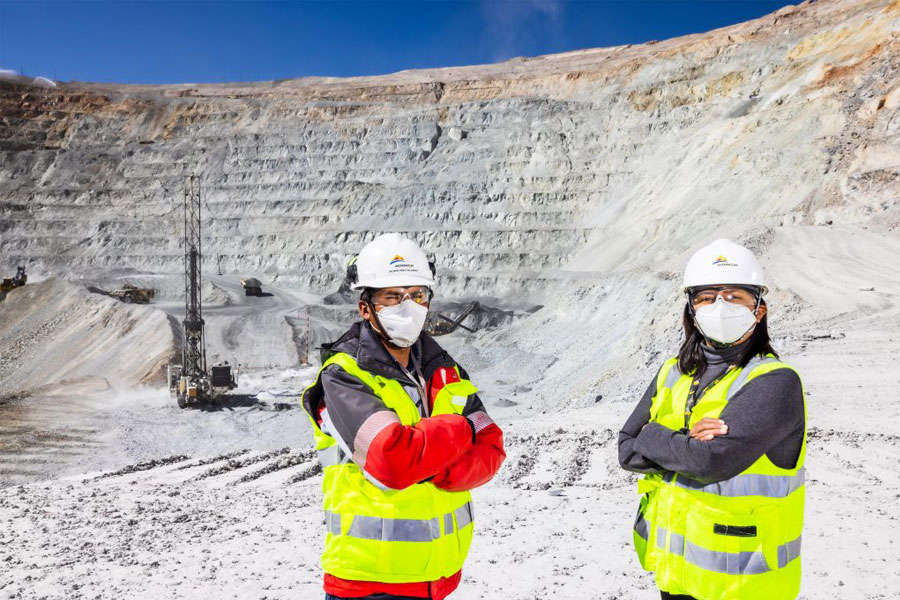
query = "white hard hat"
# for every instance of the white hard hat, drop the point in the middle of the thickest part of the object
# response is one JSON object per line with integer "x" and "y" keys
{"x": 390, "y": 260}
{"x": 721, "y": 263}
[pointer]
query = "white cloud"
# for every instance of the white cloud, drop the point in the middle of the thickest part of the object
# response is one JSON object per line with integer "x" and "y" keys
{"x": 510, "y": 24}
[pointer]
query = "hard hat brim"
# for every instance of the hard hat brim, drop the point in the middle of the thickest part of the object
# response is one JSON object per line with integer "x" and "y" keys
{"x": 715, "y": 279}
{"x": 399, "y": 280}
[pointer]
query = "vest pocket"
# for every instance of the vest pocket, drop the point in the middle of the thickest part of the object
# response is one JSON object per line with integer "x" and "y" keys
{"x": 735, "y": 530}
{"x": 723, "y": 542}
{"x": 768, "y": 520}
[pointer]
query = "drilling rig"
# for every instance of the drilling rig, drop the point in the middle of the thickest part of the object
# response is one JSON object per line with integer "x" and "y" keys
{"x": 190, "y": 382}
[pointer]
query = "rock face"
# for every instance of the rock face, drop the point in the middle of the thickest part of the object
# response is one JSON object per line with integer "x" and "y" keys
{"x": 564, "y": 192}
{"x": 580, "y": 181}
{"x": 59, "y": 338}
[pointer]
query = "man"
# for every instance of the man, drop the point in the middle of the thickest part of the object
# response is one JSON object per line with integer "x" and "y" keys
{"x": 402, "y": 437}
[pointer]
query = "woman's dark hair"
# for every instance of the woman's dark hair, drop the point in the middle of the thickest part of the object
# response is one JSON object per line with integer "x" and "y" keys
{"x": 692, "y": 361}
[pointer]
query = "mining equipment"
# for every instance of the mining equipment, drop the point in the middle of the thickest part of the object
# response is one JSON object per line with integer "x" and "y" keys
{"x": 131, "y": 293}
{"x": 21, "y": 278}
{"x": 438, "y": 324}
{"x": 191, "y": 382}
{"x": 252, "y": 286}
{"x": 10, "y": 283}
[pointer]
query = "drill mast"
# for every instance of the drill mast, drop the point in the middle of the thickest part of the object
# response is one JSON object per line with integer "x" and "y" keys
{"x": 191, "y": 382}
{"x": 194, "y": 350}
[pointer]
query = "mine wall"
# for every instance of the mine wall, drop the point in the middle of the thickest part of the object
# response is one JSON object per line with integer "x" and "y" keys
{"x": 577, "y": 182}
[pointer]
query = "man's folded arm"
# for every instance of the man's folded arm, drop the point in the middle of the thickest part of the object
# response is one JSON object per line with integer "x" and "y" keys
{"x": 395, "y": 455}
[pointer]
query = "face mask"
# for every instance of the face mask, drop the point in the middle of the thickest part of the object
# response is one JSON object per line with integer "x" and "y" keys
{"x": 725, "y": 322}
{"x": 403, "y": 323}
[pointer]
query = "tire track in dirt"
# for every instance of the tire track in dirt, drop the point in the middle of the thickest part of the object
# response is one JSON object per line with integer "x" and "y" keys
{"x": 272, "y": 462}
{"x": 143, "y": 466}
{"x": 214, "y": 459}
{"x": 281, "y": 463}
{"x": 233, "y": 465}
{"x": 307, "y": 473}
{"x": 557, "y": 458}
{"x": 583, "y": 455}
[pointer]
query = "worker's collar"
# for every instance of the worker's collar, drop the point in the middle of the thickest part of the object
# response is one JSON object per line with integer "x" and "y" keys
{"x": 363, "y": 344}
{"x": 728, "y": 354}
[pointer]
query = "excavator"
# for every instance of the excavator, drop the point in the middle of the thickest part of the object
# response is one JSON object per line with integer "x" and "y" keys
{"x": 439, "y": 324}
{"x": 10, "y": 283}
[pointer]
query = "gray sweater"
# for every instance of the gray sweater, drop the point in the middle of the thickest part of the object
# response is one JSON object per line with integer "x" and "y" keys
{"x": 764, "y": 417}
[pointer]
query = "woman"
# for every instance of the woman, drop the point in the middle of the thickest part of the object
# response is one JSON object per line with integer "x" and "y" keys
{"x": 720, "y": 436}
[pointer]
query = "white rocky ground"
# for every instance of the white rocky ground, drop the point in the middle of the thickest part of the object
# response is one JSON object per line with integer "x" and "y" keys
{"x": 229, "y": 505}
{"x": 575, "y": 184}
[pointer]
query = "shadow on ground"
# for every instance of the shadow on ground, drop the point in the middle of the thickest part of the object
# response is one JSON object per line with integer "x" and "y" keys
{"x": 233, "y": 401}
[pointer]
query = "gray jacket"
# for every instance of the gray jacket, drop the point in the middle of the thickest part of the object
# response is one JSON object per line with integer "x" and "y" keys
{"x": 765, "y": 417}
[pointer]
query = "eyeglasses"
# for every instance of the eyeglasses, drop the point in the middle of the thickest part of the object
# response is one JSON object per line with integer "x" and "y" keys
{"x": 736, "y": 295}
{"x": 394, "y": 296}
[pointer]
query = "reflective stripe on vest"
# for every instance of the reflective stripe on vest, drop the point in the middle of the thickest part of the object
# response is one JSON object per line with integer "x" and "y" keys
{"x": 419, "y": 533}
{"x": 788, "y": 552}
{"x": 400, "y": 530}
{"x": 674, "y": 375}
{"x": 741, "y": 379}
{"x": 394, "y": 530}
{"x": 641, "y": 527}
{"x": 732, "y": 563}
{"x": 770, "y": 486}
{"x": 730, "y": 540}
{"x": 464, "y": 514}
{"x": 332, "y": 522}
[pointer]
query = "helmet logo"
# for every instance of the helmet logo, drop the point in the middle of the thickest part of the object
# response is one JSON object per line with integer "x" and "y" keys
{"x": 722, "y": 261}
{"x": 400, "y": 265}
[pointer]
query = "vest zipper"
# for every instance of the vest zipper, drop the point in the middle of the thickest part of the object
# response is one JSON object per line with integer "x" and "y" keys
{"x": 417, "y": 380}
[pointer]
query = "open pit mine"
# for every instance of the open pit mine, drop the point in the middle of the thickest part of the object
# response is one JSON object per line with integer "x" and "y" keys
{"x": 562, "y": 193}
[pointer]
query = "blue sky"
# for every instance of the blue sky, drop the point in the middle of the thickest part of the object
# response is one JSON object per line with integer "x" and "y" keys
{"x": 170, "y": 42}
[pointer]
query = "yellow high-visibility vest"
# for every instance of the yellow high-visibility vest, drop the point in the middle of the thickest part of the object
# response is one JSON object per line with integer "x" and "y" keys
{"x": 737, "y": 539}
{"x": 420, "y": 533}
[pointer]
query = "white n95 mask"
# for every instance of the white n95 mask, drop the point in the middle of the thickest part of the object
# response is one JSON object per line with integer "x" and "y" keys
{"x": 724, "y": 322}
{"x": 403, "y": 322}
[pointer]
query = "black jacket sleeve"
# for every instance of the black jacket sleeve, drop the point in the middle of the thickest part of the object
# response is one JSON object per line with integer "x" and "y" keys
{"x": 629, "y": 458}
{"x": 765, "y": 414}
